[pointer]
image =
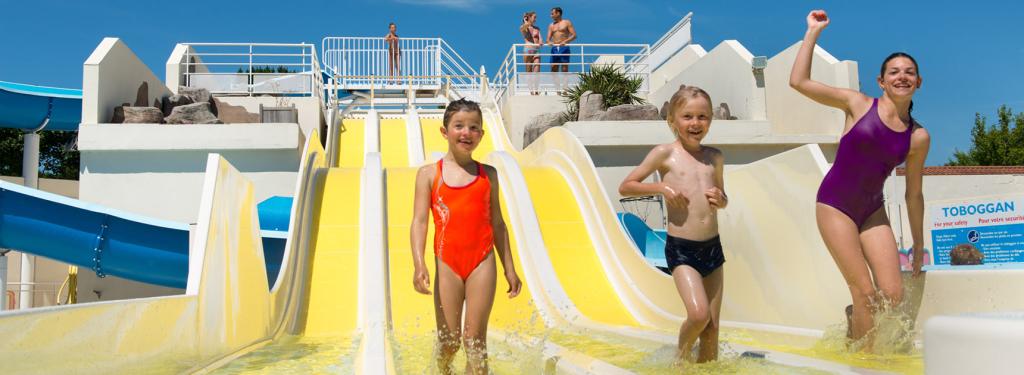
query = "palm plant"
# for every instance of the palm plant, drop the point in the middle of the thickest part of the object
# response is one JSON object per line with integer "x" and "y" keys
{"x": 615, "y": 86}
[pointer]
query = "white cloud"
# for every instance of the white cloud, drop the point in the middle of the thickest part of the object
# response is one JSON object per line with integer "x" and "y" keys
{"x": 468, "y": 5}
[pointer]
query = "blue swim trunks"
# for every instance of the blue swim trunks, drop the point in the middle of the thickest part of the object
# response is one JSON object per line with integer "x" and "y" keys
{"x": 560, "y": 55}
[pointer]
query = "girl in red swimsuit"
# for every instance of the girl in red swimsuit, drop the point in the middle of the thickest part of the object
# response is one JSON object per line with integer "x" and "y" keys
{"x": 462, "y": 195}
{"x": 879, "y": 135}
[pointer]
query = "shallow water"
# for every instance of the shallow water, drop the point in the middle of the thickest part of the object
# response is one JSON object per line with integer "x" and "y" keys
{"x": 521, "y": 354}
{"x": 892, "y": 349}
{"x": 298, "y": 355}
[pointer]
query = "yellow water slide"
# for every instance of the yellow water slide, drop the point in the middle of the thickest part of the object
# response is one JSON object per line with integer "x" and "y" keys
{"x": 314, "y": 318}
{"x": 534, "y": 331}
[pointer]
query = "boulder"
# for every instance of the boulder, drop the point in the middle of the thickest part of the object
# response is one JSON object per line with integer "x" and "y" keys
{"x": 118, "y": 117}
{"x": 539, "y": 124}
{"x": 195, "y": 113}
{"x": 143, "y": 115}
{"x": 170, "y": 102}
{"x": 628, "y": 112}
{"x": 198, "y": 95}
{"x": 591, "y": 106}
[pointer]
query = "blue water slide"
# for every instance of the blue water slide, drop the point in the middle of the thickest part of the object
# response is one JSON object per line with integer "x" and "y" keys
{"x": 651, "y": 242}
{"x": 30, "y": 107}
{"x": 108, "y": 241}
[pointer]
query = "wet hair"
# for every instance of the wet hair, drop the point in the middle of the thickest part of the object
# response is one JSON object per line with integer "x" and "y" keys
{"x": 557, "y": 9}
{"x": 461, "y": 105}
{"x": 881, "y": 72}
{"x": 682, "y": 95}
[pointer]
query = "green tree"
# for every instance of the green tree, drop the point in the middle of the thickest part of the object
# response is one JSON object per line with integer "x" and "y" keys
{"x": 58, "y": 153}
{"x": 615, "y": 86}
{"x": 999, "y": 144}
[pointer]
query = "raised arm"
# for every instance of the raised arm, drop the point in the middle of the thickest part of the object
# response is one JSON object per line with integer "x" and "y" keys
{"x": 501, "y": 242}
{"x": 920, "y": 141}
{"x": 800, "y": 76}
{"x": 418, "y": 228}
{"x": 633, "y": 184}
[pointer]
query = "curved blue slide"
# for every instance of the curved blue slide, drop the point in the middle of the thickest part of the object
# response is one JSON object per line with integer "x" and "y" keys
{"x": 108, "y": 241}
{"x": 28, "y": 107}
{"x": 651, "y": 242}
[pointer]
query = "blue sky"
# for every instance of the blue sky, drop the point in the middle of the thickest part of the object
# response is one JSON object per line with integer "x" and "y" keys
{"x": 971, "y": 53}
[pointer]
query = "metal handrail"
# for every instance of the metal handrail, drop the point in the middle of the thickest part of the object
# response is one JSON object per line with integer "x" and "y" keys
{"x": 364, "y": 62}
{"x": 671, "y": 33}
{"x": 512, "y": 77}
{"x": 248, "y": 82}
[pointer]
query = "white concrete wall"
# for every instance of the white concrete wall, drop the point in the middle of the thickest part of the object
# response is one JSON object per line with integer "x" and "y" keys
{"x": 518, "y": 110}
{"x": 792, "y": 113}
{"x": 174, "y": 73}
{"x": 666, "y": 54}
{"x": 675, "y": 65}
{"x": 122, "y": 167}
{"x": 310, "y": 116}
{"x": 725, "y": 73}
{"x": 111, "y": 76}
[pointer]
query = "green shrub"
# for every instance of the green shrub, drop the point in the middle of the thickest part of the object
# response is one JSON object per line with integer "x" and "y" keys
{"x": 614, "y": 85}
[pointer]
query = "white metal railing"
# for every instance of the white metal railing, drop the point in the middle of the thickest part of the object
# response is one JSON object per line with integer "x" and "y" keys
{"x": 678, "y": 37}
{"x": 368, "y": 62}
{"x": 253, "y": 68}
{"x": 517, "y": 76}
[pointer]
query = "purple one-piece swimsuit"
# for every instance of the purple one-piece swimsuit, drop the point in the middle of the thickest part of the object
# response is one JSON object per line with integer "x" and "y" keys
{"x": 867, "y": 155}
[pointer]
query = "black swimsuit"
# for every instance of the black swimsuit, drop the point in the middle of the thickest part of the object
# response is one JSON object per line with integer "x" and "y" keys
{"x": 704, "y": 256}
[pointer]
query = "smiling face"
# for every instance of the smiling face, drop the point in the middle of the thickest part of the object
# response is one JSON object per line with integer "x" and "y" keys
{"x": 556, "y": 15}
{"x": 899, "y": 78}
{"x": 691, "y": 119}
{"x": 463, "y": 131}
{"x": 392, "y": 28}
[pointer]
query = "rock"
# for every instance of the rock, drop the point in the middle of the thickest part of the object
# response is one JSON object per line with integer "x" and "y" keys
{"x": 539, "y": 124}
{"x": 199, "y": 96}
{"x": 664, "y": 107}
{"x": 627, "y": 112}
{"x": 173, "y": 101}
{"x": 723, "y": 113}
{"x": 234, "y": 114}
{"x": 591, "y": 106}
{"x": 143, "y": 115}
{"x": 196, "y": 94}
{"x": 195, "y": 113}
{"x": 118, "y": 117}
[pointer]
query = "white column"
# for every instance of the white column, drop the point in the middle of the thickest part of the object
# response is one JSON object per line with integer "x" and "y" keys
{"x": 30, "y": 172}
{"x": 3, "y": 279}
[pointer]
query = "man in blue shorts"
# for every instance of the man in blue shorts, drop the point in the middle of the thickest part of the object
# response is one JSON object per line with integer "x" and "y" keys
{"x": 561, "y": 32}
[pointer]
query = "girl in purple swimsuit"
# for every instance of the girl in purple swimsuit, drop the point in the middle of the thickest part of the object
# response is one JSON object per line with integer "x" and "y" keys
{"x": 879, "y": 135}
